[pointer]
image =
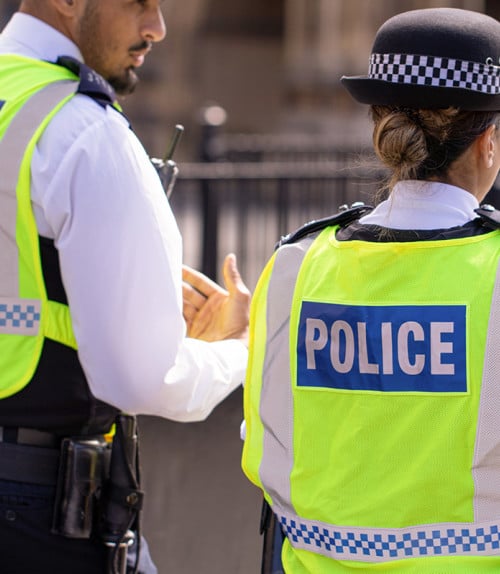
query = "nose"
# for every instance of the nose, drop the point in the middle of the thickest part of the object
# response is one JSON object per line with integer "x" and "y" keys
{"x": 153, "y": 28}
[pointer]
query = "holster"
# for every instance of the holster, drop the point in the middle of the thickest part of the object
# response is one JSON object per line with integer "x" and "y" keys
{"x": 98, "y": 486}
{"x": 122, "y": 498}
{"x": 83, "y": 468}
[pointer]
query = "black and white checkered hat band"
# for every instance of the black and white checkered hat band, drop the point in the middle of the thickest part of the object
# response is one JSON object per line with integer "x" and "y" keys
{"x": 435, "y": 71}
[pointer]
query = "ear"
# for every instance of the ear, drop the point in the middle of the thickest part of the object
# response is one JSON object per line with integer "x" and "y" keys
{"x": 69, "y": 9}
{"x": 63, "y": 15}
{"x": 66, "y": 8}
{"x": 487, "y": 146}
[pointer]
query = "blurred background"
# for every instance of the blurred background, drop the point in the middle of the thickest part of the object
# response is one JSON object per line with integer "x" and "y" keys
{"x": 271, "y": 141}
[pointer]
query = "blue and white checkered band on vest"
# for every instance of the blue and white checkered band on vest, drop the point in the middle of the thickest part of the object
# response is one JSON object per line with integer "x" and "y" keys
{"x": 435, "y": 71}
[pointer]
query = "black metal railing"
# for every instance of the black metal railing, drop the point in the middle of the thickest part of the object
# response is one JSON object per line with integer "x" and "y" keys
{"x": 247, "y": 190}
{"x": 246, "y": 206}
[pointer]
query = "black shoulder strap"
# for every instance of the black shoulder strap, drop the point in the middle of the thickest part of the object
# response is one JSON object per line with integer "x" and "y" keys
{"x": 345, "y": 216}
{"x": 489, "y": 215}
{"x": 91, "y": 83}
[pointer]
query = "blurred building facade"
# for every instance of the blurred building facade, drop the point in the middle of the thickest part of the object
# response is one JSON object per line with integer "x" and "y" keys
{"x": 273, "y": 65}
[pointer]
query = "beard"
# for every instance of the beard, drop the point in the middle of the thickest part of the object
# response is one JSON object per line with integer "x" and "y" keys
{"x": 125, "y": 83}
{"x": 95, "y": 48}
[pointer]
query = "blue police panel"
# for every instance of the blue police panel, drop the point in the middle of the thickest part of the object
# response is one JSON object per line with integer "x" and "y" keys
{"x": 411, "y": 348}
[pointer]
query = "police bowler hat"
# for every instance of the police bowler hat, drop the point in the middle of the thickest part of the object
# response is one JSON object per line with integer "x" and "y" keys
{"x": 433, "y": 58}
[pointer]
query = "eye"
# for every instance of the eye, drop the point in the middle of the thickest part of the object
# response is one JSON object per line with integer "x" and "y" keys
{"x": 489, "y": 61}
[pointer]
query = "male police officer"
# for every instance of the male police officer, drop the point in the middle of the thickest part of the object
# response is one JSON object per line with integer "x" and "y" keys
{"x": 91, "y": 304}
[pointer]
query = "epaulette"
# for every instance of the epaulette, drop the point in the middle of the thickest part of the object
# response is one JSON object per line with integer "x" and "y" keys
{"x": 489, "y": 215}
{"x": 344, "y": 216}
{"x": 91, "y": 83}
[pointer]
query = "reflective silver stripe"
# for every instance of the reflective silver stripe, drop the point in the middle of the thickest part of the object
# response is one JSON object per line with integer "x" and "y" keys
{"x": 19, "y": 316}
{"x": 386, "y": 544}
{"x": 276, "y": 410}
{"x": 12, "y": 148}
{"x": 486, "y": 469}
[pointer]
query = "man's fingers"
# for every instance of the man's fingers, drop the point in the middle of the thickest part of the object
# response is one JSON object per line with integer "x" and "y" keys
{"x": 189, "y": 311}
{"x": 199, "y": 281}
{"x": 193, "y": 296}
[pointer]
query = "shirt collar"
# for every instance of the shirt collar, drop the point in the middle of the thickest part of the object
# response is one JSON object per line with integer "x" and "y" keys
{"x": 424, "y": 205}
{"x": 30, "y": 37}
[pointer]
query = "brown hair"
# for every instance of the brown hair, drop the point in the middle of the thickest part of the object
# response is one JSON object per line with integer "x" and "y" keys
{"x": 422, "y": 144}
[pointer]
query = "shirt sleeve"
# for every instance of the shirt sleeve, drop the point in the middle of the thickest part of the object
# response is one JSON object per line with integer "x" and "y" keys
{"x": 96, "y": 193}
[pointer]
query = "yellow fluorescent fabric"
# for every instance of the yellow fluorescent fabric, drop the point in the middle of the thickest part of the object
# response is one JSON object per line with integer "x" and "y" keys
{"x": 31, "y": 93}
{"x": 374, "y": 448}
{"x": 369, "y": 458}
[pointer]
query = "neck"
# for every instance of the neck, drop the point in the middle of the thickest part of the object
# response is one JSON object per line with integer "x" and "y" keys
{"x": 468, "y": 174}
{"x": 49, "y": 13}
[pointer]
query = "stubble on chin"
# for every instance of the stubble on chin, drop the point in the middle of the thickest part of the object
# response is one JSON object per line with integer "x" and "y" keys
{"x": 124, "y": 84}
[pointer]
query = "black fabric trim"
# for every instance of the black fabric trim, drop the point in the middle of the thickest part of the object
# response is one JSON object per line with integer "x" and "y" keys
{"x": 343, "y": 217}
{"x": 351, "y": 229}
{"x": 375, "y": 233}
{"x": 91, "y": 83}
{"x": 58, "y": 398}
{"x": 52, "y": 271}
{"x": 489, "y": 215}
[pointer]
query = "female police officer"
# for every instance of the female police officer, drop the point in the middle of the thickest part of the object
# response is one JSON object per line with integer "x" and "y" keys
{"x": 372, "y": 390}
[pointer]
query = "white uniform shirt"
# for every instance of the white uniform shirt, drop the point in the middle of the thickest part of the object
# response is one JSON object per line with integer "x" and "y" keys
{"x": 424, "y": 205}
{"x": 96, "y": 194}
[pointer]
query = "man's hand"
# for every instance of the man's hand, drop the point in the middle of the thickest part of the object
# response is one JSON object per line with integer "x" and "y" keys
{"x": 211, "y": 312}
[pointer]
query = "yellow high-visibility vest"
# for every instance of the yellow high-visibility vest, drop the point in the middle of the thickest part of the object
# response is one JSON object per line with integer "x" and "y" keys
{"x": 372, "y": 404}
{"x": 31, "y": 92}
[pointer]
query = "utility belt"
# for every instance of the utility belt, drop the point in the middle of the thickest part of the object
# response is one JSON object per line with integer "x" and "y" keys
{"x": 96, "y": 480}
{"x": 23, "y": 460}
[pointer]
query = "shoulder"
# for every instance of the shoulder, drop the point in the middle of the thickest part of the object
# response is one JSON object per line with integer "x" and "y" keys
{"x": 82, "y": 123}
{"x": 344, "y": 216}
{"x": 91, "y": 107}
{"x": 489, "y": 216}
{"x": 88, "y": 147}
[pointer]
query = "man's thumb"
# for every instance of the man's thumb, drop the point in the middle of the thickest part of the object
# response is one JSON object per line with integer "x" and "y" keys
{"x": 232, "y": 278}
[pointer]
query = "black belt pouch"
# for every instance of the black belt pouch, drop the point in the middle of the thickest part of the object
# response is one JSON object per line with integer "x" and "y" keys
{"x": 84, "y": 465}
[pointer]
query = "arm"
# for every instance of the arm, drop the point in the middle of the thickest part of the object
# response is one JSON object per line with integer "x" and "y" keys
{"x": 99, "y": 197}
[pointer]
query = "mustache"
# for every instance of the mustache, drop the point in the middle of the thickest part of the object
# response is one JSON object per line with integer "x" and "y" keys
{"x": 142, "y": 46}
